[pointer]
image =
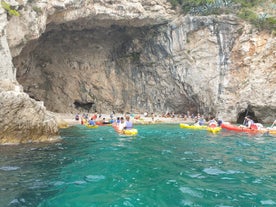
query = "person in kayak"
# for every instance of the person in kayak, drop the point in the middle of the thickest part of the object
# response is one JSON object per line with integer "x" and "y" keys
{"x": 249, "y": 123}
{"x": 128, "y": 123}
{"x": 213, "y": 122}
{"x": 91, "y": 122}
{"x": 122, "y": 124}
{"x": 105, "y": 122}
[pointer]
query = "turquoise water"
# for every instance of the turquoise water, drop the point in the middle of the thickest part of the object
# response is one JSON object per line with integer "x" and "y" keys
{"x": 163, "y": 166}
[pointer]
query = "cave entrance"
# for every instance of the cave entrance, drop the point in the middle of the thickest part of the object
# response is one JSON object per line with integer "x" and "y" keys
{"x": 247, "y": 112}
{"x": 103, "y": 63}
{"x": 83, "y": 105}
{"x": 91, "y": 65}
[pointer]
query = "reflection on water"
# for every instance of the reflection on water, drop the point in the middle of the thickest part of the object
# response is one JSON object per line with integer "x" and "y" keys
{"x": 162, "y": 166}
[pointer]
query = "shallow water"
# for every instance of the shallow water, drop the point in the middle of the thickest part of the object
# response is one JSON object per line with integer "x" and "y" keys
{"x": 163, "y": 166}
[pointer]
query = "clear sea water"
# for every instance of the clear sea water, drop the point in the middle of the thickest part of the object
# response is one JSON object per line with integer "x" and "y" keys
{"x": 163, "y": 166}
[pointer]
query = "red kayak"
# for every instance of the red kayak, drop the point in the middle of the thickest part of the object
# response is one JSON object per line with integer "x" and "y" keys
{"x": 100, "y": 123}
{"x": 232, "y": 127}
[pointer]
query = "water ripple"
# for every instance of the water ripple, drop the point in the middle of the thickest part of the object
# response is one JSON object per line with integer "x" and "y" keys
{"x": 215, "y": 171}
{"x": 162, "y": 166}
{"x": 189, "y": 191}
{"x": 9, "y": 168}
{"x": 94, "y": 178}
{"x": 268, "y": 202}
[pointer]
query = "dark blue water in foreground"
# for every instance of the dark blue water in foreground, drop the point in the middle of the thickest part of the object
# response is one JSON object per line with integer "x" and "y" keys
{"x": 163, "y": 166}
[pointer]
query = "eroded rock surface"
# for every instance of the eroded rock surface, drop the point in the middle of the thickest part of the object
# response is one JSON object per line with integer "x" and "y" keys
{"x": 136, "y": 56}
{"x": 23, "y": 119}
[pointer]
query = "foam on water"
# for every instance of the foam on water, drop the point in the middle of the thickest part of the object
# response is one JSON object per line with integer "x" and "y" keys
{"x": 213, "y": 171}
{"x": 9, "y": 168}
{"x": 94, "y": 178}
{"x": 189, "y": 191}
{"x": 268, "y": 202}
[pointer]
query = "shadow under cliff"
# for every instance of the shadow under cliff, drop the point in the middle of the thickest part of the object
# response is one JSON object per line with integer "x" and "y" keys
{"x": 118, "y": 68}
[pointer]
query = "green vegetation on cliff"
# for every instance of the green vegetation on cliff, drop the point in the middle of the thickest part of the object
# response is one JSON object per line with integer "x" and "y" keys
{"x": 9, "y": 9}
{"x": 257, "y": 12}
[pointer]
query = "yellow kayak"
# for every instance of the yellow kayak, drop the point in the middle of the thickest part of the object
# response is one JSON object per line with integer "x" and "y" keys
{"x": 130, "y": 132}
{"x": 272, "y": 131}
{"x": 213, "y": 129}
{"x": 91, "y": 126}
{"x": 196, "y": 127}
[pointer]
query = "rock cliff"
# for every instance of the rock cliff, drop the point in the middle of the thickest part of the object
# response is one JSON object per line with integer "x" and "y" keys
{"x": 133, "y": 56}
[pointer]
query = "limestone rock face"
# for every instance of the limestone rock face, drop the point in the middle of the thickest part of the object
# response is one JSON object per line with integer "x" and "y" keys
{"x": 23, "y": 119}
{"x": 134, "y": 56}
{"x": 250, "y": 81}
{"x": 38, "y": 16}
{"x": 7, "y": 69}
{"x": 27, "y": 120}
{"x": 233, "y": 67}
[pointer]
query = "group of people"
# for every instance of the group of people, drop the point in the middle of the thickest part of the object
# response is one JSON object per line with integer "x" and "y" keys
{"x": 121, "y": 124}
{"x": 212, "y": 122}
{"x": 84, "y": 119}
{"x": 125, "y": 123}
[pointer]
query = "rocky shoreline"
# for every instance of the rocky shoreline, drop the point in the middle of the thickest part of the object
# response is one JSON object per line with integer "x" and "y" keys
{"x": 68, "y": 120}
{"x": 142, "y": 55}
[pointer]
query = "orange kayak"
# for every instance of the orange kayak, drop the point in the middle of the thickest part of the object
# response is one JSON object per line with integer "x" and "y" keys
{"x": 232, "y": 127}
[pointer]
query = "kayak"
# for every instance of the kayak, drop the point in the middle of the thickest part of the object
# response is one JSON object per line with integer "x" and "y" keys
{"x": 272, "y": 130}
{"x": 196, "y": 127}
{"x": 235, "y": 128}
{"x": 99, "y": 123}
{"x": 91, "y": 126}
{"x": 128, "y": 132}
{"x": 214, "y": 130}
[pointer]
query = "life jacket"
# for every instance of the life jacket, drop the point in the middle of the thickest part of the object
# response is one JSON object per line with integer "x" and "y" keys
{"x": 201, "y": 122}
{"x": 128, "y": 125}
{"x": 91, "y": 122}
{"x": 212, "y": 125}
{"x": 118, "y": 121}
{"x": 253, "y": 126}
